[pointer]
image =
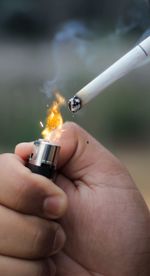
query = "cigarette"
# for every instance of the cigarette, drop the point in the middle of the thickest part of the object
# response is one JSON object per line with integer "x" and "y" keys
{"x": 120, "y": 68}
{"x": 44, "y": 158}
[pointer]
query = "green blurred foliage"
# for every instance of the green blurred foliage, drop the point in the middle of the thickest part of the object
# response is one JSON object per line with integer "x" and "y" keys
{"x": 120, "y": 115}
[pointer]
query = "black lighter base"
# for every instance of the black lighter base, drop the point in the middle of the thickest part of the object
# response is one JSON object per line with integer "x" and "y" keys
{"x": 45, "y": 170}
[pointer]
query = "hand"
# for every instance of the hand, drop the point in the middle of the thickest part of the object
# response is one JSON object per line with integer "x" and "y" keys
{"x": 107, "y": 222}
{"x": 28, "y": 236}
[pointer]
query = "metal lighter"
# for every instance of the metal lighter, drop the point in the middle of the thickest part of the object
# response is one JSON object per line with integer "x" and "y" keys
{"x": 44, "y": 158}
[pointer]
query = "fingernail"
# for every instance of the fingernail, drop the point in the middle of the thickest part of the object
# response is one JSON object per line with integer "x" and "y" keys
{"x": 59, "y": 241}
{"x": 54, "y": 206}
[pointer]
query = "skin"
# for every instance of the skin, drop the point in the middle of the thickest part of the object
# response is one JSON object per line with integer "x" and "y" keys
{"x": 28, "y": 234}
{"x": 107, "y": 222}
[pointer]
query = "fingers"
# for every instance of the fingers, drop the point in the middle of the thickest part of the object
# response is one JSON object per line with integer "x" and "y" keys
{"x": 80, "y": 153}
{"x": 78, "y": 148}
{"x": 17, "y": 267}
{"x": 24, "y": 150}
{"x": 29, "y": 193}
{"x": 28, "y": 237}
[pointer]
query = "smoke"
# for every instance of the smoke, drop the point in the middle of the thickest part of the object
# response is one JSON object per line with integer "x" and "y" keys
{"x": 77, "y": 48}
{"x": 70, "y": 49}
{"x": 136, "y": 16}
{"x": 145, "y": 34}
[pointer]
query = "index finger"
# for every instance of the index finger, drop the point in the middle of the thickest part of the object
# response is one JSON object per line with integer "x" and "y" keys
{"x": 24, "y": 150}
{"x": 27, "y": 192}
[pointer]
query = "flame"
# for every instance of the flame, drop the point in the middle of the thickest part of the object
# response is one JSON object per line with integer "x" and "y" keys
{"x": 54, "y": 119}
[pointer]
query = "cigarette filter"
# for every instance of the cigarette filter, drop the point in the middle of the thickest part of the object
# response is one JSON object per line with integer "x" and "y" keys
{"x": 44, "y": 159}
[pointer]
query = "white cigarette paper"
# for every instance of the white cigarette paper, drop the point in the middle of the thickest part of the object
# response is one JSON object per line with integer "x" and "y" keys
{"x": 122, "y": 67}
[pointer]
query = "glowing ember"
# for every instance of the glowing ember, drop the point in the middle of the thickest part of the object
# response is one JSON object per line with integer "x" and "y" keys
{"x": 54, "y": 119}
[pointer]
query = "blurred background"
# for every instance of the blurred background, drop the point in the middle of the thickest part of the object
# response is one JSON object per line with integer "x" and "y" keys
{"x": 47, "y": 45}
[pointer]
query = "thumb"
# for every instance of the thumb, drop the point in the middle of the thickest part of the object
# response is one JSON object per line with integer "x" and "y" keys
{"x": 80, "y": 151}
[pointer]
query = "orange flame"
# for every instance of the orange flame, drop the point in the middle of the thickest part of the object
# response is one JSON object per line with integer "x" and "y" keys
{"x": 54, "y": 119}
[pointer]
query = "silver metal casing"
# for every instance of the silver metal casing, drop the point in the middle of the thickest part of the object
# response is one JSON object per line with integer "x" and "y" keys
{"x": 44, "y": 153}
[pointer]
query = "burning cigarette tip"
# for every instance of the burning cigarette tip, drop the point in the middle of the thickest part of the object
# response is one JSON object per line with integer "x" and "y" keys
{"x": 135, "y": 57}
{"x": 75, "y": 104}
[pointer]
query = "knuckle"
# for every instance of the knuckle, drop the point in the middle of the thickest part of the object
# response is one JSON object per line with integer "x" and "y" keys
{"x": 42, "y": 241}
{"x": 72, "y": 126}
{"x": 5, "y": 157}
{"x": 24, "y": 188}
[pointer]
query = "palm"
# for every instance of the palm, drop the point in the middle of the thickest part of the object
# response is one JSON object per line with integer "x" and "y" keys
{"x": 102, "y": 201}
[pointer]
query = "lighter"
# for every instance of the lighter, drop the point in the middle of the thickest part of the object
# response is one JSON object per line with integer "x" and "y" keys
{"x": 44, "y": 159}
